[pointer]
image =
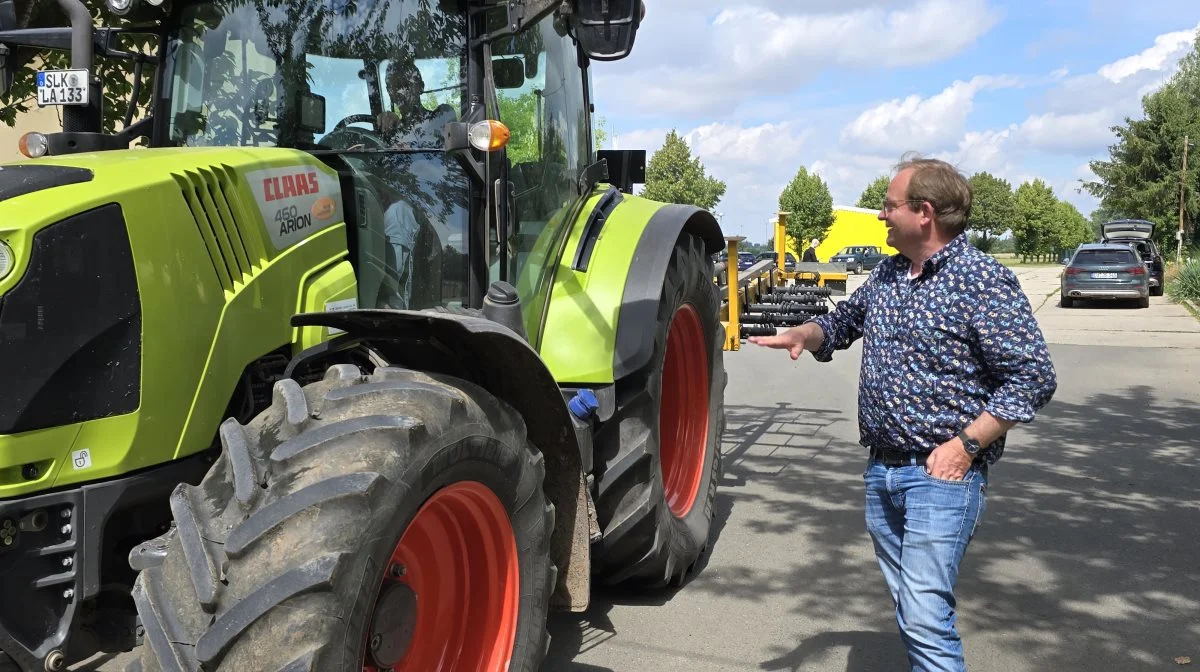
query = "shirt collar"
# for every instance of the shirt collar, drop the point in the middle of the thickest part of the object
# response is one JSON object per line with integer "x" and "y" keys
{"x": 948, "y": 251}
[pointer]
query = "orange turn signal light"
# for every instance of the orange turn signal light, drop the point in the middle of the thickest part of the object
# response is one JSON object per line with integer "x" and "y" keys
{"x": 489, "y": 135}
{"x": 33, "y": 145}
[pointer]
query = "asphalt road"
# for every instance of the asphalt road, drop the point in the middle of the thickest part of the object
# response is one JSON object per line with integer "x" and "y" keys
{"x": 1086, "y": 558}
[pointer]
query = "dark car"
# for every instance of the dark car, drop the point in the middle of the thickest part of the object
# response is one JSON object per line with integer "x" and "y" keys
{"x": 789, "y": 259}
{"x": 859, "y": 258}
{"x": 1105, "y": 271}
{"x": 1138, "y": 233}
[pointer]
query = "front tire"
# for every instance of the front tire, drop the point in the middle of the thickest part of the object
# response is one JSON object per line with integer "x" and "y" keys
{"x": 659, "y": 455}
{"x": 343, "y": 528}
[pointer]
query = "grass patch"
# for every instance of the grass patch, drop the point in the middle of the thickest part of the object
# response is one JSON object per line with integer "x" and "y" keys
{"x": 1183, "y": 282}
{"x": 1013, "y": 261}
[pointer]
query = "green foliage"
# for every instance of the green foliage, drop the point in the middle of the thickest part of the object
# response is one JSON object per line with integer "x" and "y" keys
{"x": 673, "y": 176}
{"x": 115, "y": 73}
{"x": 1142, "y": 176}
{"x": 1036, "y": 211}
{"x": 872, "y": 197}
{"x": 993, "y": 208}
{"x": 810, "y": 205}
{"x": 520, "y": 116}
{"x": 1186, "y": 284}
{"x": 1070, "y": 228}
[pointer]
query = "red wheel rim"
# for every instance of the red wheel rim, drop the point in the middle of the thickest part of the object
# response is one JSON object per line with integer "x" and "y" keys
{"x": 459, "y": 559}
{"x": 683, "y": 411}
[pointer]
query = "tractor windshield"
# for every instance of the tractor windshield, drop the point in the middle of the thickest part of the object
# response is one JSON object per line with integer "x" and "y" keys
{"x": 337, "y": 77}
{"x": 299, "y": 73}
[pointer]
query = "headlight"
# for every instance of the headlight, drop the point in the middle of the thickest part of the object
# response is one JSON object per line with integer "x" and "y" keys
{"x": 7, "y": 260}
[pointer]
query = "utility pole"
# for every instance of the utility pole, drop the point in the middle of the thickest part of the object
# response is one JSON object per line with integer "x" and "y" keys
{"x": 1182, "y": 187}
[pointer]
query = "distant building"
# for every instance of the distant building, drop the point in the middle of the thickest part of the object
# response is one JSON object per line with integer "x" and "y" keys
{"x": 851, "y": 226}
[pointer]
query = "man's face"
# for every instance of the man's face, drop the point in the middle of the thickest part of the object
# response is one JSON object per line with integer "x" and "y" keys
{"x": 905, "y": 225}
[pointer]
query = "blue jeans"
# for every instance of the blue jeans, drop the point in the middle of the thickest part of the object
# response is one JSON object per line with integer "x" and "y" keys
{"x": 921, "y": 526}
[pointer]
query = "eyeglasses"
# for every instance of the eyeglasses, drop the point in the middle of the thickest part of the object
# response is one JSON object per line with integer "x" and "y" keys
{"x": 888, "y": 206}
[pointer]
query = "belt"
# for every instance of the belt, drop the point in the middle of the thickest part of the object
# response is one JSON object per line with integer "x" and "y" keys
{"x": 899, "y": 458}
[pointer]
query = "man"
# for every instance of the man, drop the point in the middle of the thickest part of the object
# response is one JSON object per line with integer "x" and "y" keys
{"x": 952, "y": 359}
{"x": 810, "y": 254}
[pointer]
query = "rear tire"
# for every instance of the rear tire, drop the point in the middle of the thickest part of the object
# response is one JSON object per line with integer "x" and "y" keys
{"x": 1066, "y": 302}
{"x": 398, "y": 491}
{"x": 1143, "y": 302}
{"x": 659, "y": 456}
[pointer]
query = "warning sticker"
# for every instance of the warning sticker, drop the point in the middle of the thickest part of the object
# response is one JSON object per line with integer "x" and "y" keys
{"x": 81, "y": 459}
{"x": 295, "y": 202}
{"x": 338, "y": 306}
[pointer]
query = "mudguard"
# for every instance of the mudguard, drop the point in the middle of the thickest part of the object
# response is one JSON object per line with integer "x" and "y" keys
{"x": 607, "y": 285}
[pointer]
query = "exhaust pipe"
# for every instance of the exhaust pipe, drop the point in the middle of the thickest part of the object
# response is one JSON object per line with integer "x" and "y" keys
{"x": 82, "y": 119}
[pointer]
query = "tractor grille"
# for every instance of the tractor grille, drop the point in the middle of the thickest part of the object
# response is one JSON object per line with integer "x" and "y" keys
{"x": 217, "y": 210}
{"x": 71, "y": 346}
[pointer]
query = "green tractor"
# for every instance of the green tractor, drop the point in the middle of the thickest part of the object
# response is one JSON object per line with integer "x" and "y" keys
{"x": 367, "y": 360}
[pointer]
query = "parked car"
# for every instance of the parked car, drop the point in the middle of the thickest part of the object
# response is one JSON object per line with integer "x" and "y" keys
{"x": 1138, "y": 233}
{"x": 859, "y": 258}
{"x": 789, "y": 259}
{"x": 1105, "y": 271}
{"x": 745, "y": 260}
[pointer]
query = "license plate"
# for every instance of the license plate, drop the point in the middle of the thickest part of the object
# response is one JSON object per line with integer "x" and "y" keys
{"x": 1104, "y": 276}
{"x": 62, "y": 87}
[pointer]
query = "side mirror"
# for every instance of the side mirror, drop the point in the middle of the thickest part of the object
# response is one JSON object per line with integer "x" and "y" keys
{"x": 606, "y": 28}
{"x": 626, "y": 167}
{"x": 509, "y": 73}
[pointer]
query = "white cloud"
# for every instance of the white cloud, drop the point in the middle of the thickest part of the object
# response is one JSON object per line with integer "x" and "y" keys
{"x": 1162, "y": 56}
{"x": 929, "y": 123}
{"x": 1082, "y": 133}
{"x": 727, "y": 143}
{"x": 774, "y": 48}
{"x": 942, "y": 28}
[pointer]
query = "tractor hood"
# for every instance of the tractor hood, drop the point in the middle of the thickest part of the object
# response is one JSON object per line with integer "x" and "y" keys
{"x": 1127, "y": 228}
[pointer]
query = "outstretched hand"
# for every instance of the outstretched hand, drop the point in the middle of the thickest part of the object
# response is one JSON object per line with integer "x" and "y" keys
{"x": 790, "y": 340}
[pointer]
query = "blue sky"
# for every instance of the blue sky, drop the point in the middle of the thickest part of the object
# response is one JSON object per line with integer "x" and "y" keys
{"x": 1021, "y": 89}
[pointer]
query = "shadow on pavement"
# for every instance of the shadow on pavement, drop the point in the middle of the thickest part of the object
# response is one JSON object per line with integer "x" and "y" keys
{"x": 1086, "y": 558}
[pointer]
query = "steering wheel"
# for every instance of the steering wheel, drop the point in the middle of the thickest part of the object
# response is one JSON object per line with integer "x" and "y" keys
{"x": 346, "y": 137}
{"x": 354, "y": 119}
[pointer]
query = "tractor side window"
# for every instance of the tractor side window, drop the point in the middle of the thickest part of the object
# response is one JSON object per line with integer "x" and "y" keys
{"x": 547, "y": 150}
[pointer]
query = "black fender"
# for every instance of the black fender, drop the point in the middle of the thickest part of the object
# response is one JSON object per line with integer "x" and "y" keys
{"x": 643, "y": 285}
{"x": 498, "y": 359}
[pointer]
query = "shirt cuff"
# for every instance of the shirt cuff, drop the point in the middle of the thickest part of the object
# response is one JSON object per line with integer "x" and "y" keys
{"x": 828, "y": 345}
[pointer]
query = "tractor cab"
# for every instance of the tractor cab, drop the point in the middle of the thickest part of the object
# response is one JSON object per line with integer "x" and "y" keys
{"x": 460, "y": 130}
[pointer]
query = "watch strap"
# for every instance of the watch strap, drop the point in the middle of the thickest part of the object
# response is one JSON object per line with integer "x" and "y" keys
{"x": 970, "y": 445}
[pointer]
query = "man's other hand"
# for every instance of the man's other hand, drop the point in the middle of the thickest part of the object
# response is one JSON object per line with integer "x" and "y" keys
{"x": 791, "y": 340}
{"x": 948, "y": 461}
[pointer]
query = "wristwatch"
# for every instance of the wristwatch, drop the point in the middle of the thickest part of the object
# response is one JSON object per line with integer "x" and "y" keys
{"x": 970, "y": 445}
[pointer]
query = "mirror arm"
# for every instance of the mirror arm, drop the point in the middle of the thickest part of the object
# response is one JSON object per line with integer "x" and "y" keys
{"x": 520, "y": 13}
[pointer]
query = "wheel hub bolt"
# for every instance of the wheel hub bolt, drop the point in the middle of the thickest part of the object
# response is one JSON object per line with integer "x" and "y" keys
{"x": 396, "y": 570}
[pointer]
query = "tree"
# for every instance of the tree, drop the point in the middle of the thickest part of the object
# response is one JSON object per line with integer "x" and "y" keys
{"x": 1142, "y": 175}
{"x": 810, "y": 205}
{"x": 1070, "y": 230}
{"x": 993, "y": 208}
{"x": 872, "y": 197}
{"x": 600, "y": 132}
{"x": 115, "y": 73}
{"x": 673, "y": 176}
{"x": 1036, "y": 211}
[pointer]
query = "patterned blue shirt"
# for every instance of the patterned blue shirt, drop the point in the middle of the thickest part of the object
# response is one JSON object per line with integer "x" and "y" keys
{"x": 940, "y": 349}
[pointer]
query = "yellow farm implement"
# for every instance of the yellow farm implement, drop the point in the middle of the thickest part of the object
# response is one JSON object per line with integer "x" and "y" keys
{"x": 773, "y": 293}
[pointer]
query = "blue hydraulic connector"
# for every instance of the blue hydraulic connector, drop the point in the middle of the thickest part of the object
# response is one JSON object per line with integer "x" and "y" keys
{"x": 583, "y": 404}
